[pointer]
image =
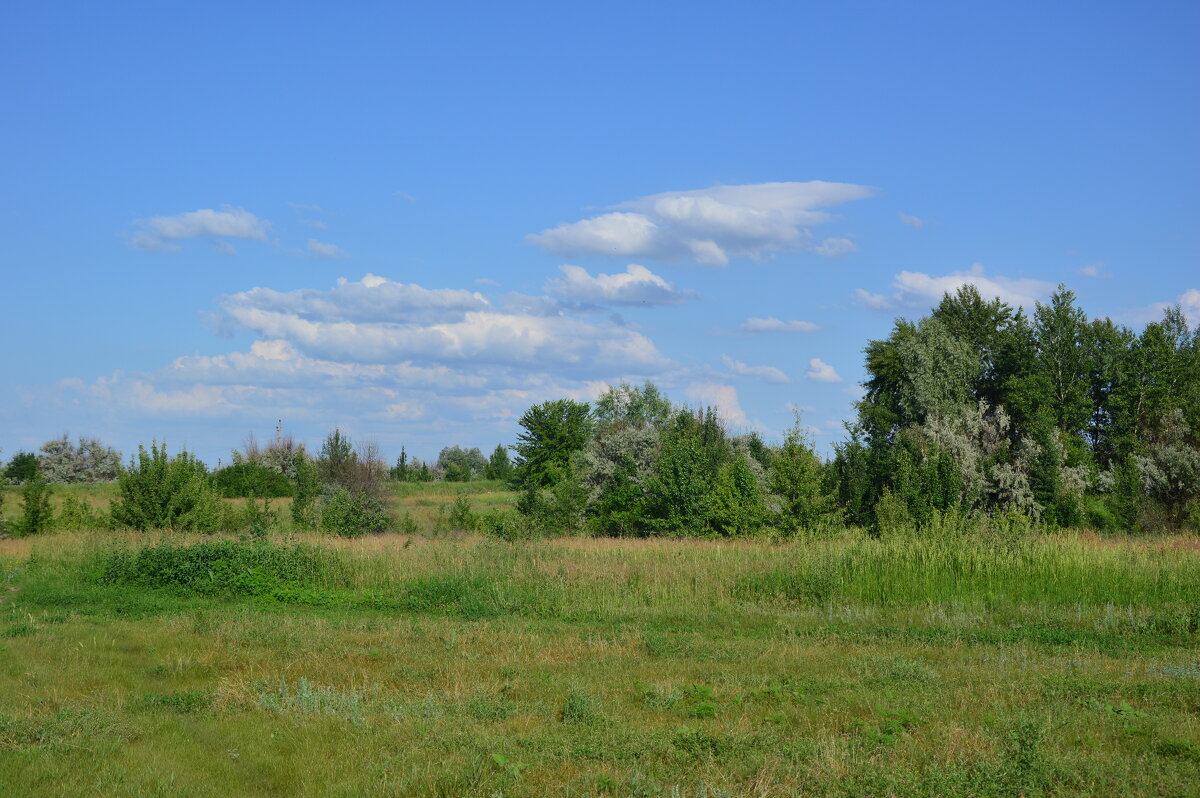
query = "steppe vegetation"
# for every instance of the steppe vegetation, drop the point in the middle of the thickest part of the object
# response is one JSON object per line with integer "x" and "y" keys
{"x": 991, "y": 588}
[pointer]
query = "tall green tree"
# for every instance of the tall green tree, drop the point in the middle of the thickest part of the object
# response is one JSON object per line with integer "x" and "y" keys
{"x": 553, "y": 432}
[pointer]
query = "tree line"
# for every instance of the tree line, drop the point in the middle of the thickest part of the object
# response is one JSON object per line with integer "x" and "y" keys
{"x": 976, "y": 414}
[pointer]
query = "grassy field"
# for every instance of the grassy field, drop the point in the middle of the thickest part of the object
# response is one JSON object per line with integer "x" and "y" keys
{"x": 448, "y": 665}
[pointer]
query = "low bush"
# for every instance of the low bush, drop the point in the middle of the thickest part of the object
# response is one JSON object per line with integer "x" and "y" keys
{"x": 352, "y": 515}
{"x": 224, "y": 567}
{"x": 251, "y": 479}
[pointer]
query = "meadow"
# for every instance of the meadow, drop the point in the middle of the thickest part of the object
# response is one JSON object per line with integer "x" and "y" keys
{"x": 443, "y": 663}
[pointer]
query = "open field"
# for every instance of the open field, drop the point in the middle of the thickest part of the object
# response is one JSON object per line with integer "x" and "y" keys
{"x": 411, "y": 665}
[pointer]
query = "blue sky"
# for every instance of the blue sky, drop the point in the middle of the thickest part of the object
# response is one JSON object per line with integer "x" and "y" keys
{"x": 415, "y": 220}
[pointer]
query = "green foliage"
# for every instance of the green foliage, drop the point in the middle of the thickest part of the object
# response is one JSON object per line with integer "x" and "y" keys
{"x": 353, "y": 515}
{"x": 736, "y": 502}
{"x": 553, "y": 432}
{"x": 36, "y": 515}
{"x": 462, "y": 518}
{"x": 337, "y": 463}
{"x": 157, "y": 491}
{"x": 224, "y": 567}
{"x": 461, "y": 465}
{"x": 77, "y": 514}
{"x": 251, "y": 478}
{"x": 499, "y": 467}
{"x": 23, "y": 466}
{"x": 677, "y": 491}
{"x": 308, "y": 489}
{"x": 797, "y": 478}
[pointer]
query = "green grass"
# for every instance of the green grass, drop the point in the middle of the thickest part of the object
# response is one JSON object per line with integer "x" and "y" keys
{"x": 165, "y": 665}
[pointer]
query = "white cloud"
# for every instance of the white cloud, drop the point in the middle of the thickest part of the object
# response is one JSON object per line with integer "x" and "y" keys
{"x": 766, "y": 373}
{"x": 820, "y": 371}
{"x": 709, "y": 226}
{"x": 1188, "y": 301}
{"x": 371, "y": 299}
{"x": 320, "y": 249}
{"x": 835, "y": 247}
{"x": 637, "y": 286}
{"x": 912, "y": 221}
{"x": 161, "y": 232}
{"x": 723, "y": 397}
{"x": 315, "y": 224}
{"x": 1094, "y": 270}
{"x": 379, "y": 321}
{"x": 773, "y": 324}
{"x": 917, "y": 289}
{"x": 874, "y": 301}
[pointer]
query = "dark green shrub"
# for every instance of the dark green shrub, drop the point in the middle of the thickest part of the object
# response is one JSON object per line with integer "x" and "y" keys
{"x": 36, "y": 515}
{"x": 352, "y": 515}
{"x": 249, "y": 478}
{"x": 23, "y": 466}
{"x": 308, "y": 488}
{"x": 157, "y": 491}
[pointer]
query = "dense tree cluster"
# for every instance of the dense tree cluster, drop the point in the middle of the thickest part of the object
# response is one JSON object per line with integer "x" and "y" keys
{"x": 637, "y": 465}
{"x": 979, "y": 407}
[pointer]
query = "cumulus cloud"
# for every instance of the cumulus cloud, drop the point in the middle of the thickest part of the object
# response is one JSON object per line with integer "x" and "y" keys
{"x": 709, "y": 226}
{"x": 319, "y": 249}
{"x": 637, "y": 286}
{"x": 721, "y": 396}
{"x": 772, "y": 324}
{"x": 820, "y": 371}
{"x": 917, "y": 289}
{"x": 162, "y": 232}
{"x": 912, "y": 221}
{"x": 765, "y": 373}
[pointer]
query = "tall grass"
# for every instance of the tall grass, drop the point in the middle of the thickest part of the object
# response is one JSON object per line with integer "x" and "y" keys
{"x": 580, "y": 578}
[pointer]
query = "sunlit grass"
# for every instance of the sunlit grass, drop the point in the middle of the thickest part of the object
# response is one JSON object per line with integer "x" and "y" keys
{"x": 460, "y": 665}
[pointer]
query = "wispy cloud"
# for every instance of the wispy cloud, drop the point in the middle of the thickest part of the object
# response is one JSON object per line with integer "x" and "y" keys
{"x": 1188, "y": 302}
{"x": 162, "y": 232}
{"x": 320, "y": 249}
{"x": 772, "y": 324}
{"x": 912, "y": 221}
{"x": 766, "y": 373}
{"x": 835, "y": 247}
{"x": 710, "y": 226}
{"x": 635, "y": 287}
{"x": 1094, "y": 270}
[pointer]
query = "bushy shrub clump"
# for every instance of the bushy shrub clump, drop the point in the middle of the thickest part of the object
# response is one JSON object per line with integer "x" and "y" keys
{"x": 36, "y": 515}
{"x": 22, "y": 466}
{"x": 158, "y": 491}
{"x": 352, "y": 515}
{"x": 251, "y": 478}
{"x": 219, "y": 567}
